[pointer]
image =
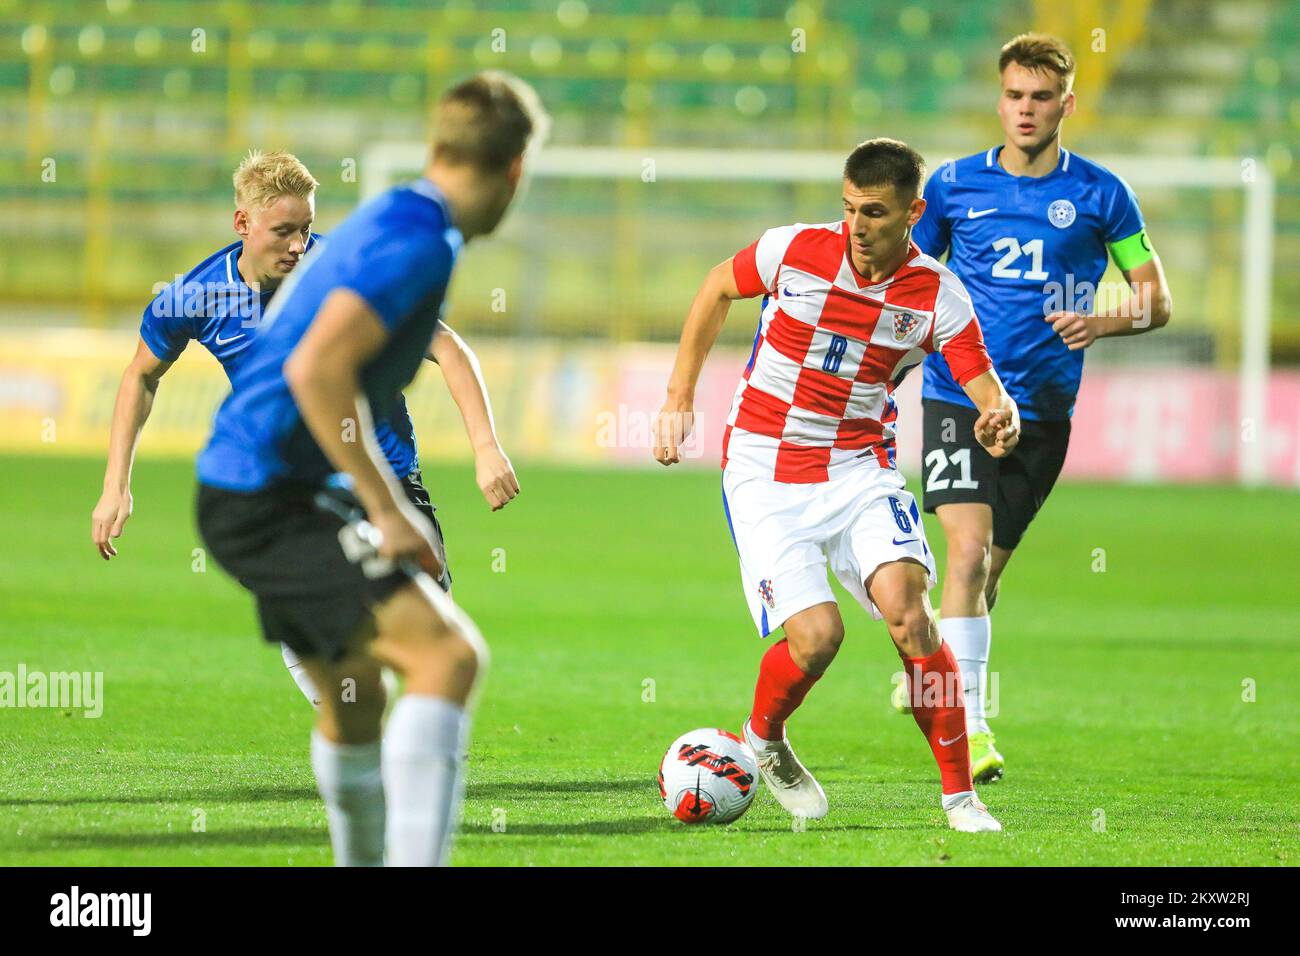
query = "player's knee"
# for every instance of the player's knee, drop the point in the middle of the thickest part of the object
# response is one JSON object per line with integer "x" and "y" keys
{"x": 814, "y": 644}
{"x": 911, "y": 620}
{"x": 969, "y": 558}
{"x": 437, "y": 652}
{"x": 448, "y": 668}
{"x": 457, "y": 645}
{"x": 910, "y": 625}
{"x": 462, "y": 659}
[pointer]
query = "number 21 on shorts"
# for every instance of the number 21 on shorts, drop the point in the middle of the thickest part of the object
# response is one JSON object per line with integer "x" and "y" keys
{"x": 938, "y": 460}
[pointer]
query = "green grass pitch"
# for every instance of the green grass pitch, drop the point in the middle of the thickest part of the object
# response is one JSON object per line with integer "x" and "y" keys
{"x": 1121, "y": 692}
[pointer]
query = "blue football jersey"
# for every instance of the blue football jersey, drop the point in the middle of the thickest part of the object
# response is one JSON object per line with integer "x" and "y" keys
{"x": 1024, "y": 247}
{"x": 397, "y": 252}
{"x": 213, "y": 305}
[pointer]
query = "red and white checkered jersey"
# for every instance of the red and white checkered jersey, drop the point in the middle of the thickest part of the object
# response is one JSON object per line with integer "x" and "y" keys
{"x": 816, "y": 397}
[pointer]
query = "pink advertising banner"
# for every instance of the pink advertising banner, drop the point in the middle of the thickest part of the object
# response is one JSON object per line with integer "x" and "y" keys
{"x": 1130, "y": 424}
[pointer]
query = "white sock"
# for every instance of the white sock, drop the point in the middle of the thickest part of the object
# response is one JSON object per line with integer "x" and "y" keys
{"x": 969, "y": 639}
{"x": 424, "y": 759}
{"x": 349, "y": 780}
{"x": 752, "y": 738}
{"x": 299, "y": 675}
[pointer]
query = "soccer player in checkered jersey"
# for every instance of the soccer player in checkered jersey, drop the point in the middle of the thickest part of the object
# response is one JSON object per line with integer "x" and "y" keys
{"x": 808, "y": 453}
{"x": 1024, "y": 225}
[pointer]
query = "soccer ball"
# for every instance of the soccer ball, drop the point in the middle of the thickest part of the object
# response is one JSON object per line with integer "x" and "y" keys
{"x": 708, "y": 776}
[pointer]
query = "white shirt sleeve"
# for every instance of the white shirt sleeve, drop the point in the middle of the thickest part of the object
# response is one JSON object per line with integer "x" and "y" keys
{"x": 953, "y": 309}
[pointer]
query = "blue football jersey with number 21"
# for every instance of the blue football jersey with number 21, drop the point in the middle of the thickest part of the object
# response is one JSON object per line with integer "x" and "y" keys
{"x": 1025, "y": 247}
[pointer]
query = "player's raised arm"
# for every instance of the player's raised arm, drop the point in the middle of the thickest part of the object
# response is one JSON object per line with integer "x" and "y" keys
{"x": 324, "y": 374}
{"x": 1147, "y": 307}
{"x": 1154, "y": 303}
{"x": 703, "y": 323}
{"x": 130, "y": 411}
{"x": 1149, "y": 304}
{"x": 460, "y": 368}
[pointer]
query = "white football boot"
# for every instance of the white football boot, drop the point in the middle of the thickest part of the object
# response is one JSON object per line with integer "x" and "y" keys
{"x": 790, "y": 782}
{"x": 970, "y": 816}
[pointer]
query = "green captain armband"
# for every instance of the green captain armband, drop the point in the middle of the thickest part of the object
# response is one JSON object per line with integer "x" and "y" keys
{"x": 1131, "y": 252}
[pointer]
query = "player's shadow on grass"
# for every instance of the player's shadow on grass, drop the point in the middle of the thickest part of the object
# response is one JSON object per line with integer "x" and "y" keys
{"x": 578, "y": 828}
{"x": 303, "y": 837}
{"x": 660, "y": 824}
{"x": 193, "y": 797}
{"x": 525, "y": 788}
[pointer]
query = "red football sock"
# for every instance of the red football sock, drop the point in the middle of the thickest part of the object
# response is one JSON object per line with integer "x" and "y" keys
{"x": 940, "y": 712}
{"x": 781, "y": 688}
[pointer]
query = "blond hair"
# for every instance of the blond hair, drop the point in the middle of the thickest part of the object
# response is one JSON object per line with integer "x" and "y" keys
{"x": 1039, "y": 52}
{"x": 262, "y": 178}
{"x": 488, "y": 121}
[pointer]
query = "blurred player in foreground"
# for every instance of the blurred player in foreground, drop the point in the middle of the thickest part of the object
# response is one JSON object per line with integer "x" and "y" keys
{"x": 344, "y": 337}
{"x": 220, "y": 303}
{"x": 1027, "y": 226}
{"x": 808, "y": 453}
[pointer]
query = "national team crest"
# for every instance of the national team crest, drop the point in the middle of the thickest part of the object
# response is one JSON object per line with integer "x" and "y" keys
{"x": 1061, "y": 213}
{"x": 766, "y": 593}
{"x": 904, "y": 324}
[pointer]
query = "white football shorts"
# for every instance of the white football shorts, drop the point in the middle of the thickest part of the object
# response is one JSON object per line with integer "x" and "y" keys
{"x": 786, "y": 532}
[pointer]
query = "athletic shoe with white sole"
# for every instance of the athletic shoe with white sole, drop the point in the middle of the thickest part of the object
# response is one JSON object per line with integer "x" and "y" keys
{"x": 788, "y": 779}
{"x": 971, "y": 816}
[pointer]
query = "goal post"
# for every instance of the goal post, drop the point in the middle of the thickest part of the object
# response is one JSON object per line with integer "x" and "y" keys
{"x": 1248, "y": 181}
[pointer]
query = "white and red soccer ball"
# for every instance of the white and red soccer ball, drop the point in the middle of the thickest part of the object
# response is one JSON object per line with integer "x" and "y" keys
{"x": 708, "y": 776}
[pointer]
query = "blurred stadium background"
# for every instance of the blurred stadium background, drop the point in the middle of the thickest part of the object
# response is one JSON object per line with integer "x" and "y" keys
{"x": 123, "y": 120}
{"x": 682, "y": 130}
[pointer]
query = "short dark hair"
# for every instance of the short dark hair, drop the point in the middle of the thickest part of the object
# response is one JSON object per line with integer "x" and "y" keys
{"x": 885, "y": 162}
{"x": 1039, "y": 52}
{"x": 488, "y": 121}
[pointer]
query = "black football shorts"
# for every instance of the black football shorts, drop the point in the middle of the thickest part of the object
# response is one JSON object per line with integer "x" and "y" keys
{"x": 284, "y": 548}
{"x": 956, "y": 469}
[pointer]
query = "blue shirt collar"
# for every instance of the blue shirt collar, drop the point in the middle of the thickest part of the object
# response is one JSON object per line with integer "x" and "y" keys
{"x": 428, "y": 190}
{"x": 991, "y": 162}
